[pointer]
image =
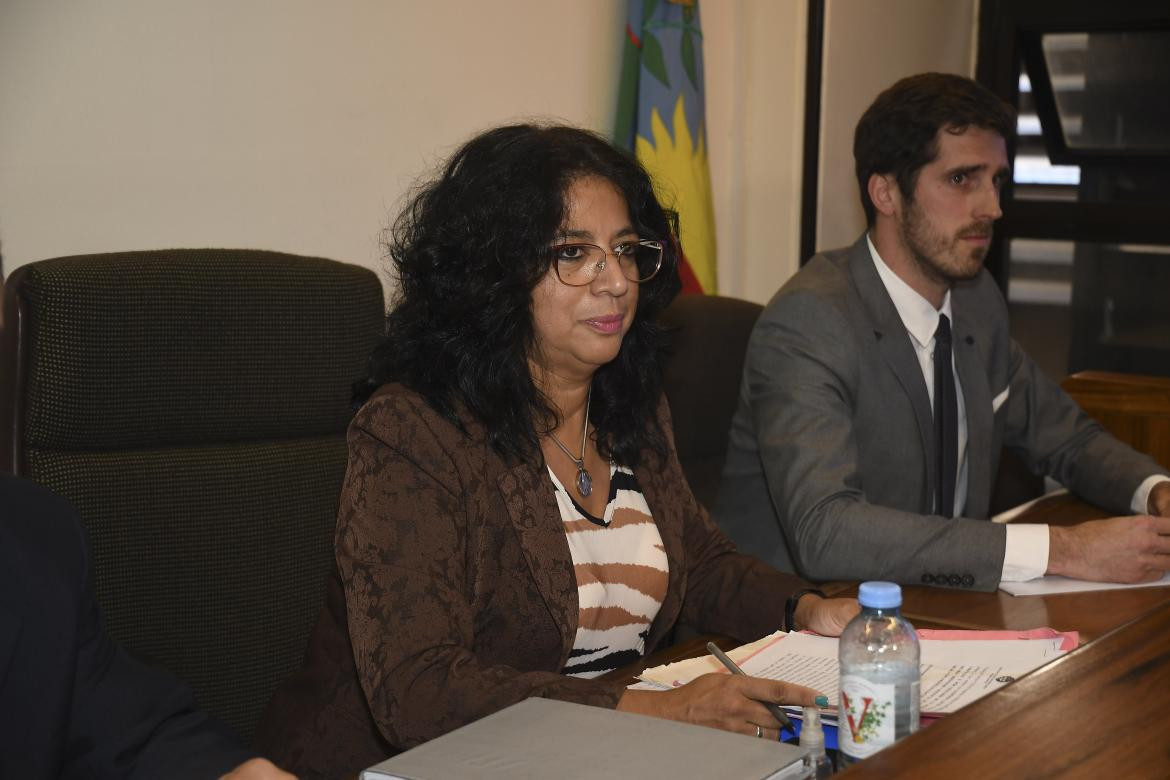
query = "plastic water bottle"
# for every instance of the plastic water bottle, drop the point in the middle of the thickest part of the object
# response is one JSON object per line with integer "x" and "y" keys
{"x": 878, "y": 655}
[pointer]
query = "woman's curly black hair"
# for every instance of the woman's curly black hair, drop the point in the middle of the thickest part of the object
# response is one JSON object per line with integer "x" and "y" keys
{"x": 468, "y": 250}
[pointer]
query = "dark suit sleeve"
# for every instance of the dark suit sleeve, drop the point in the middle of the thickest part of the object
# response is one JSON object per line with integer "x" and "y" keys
{"x": 803, "y": 379}
{"x": 129, "y": 720}
{"x": 1055, "y": 437}
{"x": 132, "y": 720}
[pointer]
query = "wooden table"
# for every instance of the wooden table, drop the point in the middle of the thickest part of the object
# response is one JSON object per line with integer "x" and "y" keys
{"x": 1098, "y": 711}
{"x": 1092, "y": 614}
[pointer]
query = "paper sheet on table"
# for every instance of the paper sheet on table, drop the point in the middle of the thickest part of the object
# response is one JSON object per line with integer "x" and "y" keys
{"x": 646, "y": 685}
{"x": 1008, "y": 515}
{"x": 954, "y": 673}
{"x": 1054, "y": 583}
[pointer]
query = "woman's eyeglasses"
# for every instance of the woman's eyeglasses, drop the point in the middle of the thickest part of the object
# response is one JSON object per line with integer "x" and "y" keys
{"x": 579, "y": 264}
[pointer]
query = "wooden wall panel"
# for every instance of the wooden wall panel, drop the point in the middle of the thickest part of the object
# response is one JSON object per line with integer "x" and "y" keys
{"x": 1135, "y": 409}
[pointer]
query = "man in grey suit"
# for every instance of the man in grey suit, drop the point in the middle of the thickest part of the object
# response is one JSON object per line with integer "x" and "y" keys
{"x": 881, "y": 383}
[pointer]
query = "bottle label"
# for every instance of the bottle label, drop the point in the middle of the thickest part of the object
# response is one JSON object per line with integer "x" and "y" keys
{"x": 872, "y": 717}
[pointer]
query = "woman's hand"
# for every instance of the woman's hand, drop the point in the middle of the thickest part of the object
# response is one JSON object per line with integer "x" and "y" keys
{"x": 827, "y": 617}
{"x": 722, "y": 701}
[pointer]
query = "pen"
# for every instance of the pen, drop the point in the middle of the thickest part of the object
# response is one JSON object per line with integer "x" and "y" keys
{"x": 777, "y": 713}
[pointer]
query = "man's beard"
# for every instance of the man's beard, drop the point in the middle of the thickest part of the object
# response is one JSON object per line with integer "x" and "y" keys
{"x": 941, "y": 258}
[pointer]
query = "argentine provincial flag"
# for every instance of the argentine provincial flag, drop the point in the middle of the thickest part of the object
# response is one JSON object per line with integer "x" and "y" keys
{"x": 660, "y": 117}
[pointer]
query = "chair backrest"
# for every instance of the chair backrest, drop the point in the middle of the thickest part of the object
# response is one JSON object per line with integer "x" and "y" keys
{"x": 702, "y": 379}
{"x": 192, "y": 405}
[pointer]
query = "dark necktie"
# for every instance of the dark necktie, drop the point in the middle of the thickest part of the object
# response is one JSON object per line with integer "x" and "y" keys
{"x": 946, "y": 420}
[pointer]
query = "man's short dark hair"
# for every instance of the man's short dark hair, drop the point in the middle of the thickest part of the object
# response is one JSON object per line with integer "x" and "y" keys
{"x": 898, "y": 133}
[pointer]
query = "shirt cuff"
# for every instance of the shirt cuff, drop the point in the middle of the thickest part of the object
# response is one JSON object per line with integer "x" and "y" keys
{"x": 1025, "y": 552}
{"x": 1141, "y": 497}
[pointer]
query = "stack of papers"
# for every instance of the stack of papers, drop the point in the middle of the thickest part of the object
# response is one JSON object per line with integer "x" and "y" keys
{"x": 954, "y": 673}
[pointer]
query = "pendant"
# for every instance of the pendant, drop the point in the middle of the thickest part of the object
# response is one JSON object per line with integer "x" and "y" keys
{"x": 584, "y": 482}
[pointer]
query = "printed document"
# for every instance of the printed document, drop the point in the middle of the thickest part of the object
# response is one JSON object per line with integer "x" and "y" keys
{"x": 954, "y": 672}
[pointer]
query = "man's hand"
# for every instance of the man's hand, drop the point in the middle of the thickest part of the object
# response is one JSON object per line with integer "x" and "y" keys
{"x": 827, "y": 617}
{"x": 258, "y": 769}
{"x": 721, "y": 701}
{"x": 1118, "y": 549}
{"x": 1159, "y": 501}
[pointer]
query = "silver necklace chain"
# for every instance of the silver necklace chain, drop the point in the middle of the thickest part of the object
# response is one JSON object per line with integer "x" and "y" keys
{"x": 584, "y": 480}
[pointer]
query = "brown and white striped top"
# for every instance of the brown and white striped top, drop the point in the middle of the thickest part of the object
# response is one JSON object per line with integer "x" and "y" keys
{"x": 621, "y": 570}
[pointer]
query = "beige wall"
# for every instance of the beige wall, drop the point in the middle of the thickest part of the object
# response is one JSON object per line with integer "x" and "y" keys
{"x": 870, "y": 44}
{"x": 298, "y": 125}
{"x": 282, "y": 124}
{"x": 755, "y": 53}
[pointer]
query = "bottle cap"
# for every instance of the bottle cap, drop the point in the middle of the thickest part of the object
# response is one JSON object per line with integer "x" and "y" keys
{"x": 880, "y": 595}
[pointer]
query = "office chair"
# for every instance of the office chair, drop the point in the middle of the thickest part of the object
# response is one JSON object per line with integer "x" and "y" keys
{"x": 701, "y": 380}
{"x": 192, "y": 405}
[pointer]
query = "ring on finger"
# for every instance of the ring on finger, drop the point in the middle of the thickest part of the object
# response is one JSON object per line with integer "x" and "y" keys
{"x": 759, "y": 732}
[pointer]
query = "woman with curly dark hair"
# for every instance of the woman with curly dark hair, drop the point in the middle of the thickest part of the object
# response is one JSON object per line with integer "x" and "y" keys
{"x": 514, "y": 521}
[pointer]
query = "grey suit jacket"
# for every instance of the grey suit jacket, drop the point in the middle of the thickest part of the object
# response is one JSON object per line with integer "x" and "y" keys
{"x": 829, "y": 470}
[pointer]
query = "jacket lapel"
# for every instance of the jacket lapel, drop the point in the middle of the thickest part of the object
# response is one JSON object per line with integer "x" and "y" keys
{"x": 528, "y": 496}
{"x": 977, "y": 403}
{"x": 893, "y": 343}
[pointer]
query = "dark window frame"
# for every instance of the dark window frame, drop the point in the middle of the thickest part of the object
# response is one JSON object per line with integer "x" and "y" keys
{"x": 1059, "y": 152}
{"x": 810, "y": 169}
{"x": 1010, "y": 30}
